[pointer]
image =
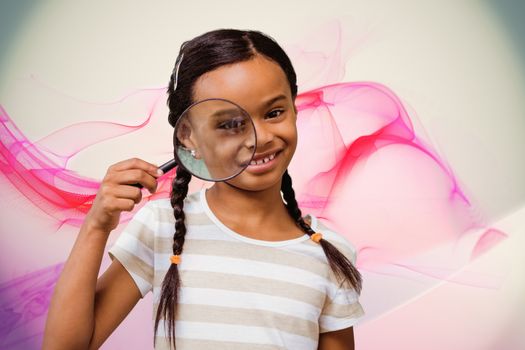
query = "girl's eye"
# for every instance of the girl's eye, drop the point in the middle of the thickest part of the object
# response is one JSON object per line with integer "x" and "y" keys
{"x": 233, "y": 124}
{"x": 275, "y": 113}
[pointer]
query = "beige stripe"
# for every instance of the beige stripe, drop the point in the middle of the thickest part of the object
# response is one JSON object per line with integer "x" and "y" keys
{"x": 338, "y": 282}
{"x": 249, "y": 284}
{"x": 132, "y": 263}
{"x": 198, "y": 219}
{"x": 240, "y": 250}
{"x": 201, "y": 219}
{"x": 163, "y": 245}
{"x": 142, "y": 232}
{"x": 247, "y": 317}
{"x": 343, "y": 310}
{"x": 253, "y": 253}
{"x": 344, "y": 249}
{"x": 184, "y": 343}
{"x": 166, "y": 216}
{"x": 245, "y": 251}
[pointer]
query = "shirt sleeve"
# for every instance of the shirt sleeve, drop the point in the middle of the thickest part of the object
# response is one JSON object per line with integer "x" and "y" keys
{"x": 342, "y": 308}
{"x": 134, "y": 248}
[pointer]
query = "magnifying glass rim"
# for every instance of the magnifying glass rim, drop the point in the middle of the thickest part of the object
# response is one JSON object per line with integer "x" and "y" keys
{"x": 176, "y": 156}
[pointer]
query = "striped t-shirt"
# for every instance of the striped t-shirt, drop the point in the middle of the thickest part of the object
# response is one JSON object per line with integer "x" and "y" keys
{"x": 238, "y": 292}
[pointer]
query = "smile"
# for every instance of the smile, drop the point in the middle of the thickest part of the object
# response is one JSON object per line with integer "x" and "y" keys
{"x": 263, "y": 160}
{"x": 264, "y": 164}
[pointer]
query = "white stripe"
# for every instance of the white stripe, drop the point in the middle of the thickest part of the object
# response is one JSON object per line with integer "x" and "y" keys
{"x": 163, "y": 203}
{"x": 243, "y": 267}
{"x": 143, "y": 215}
{"x": 143, "y": 218}
{"x": 209, "y": 232}
{"x": 191, "y": 205}
{"x": 346, "y": 296}
{"x": 142, "y": 284}
{"x": 239, "y": 333}
{"x": 212, "y": 233}
{"x": 329, "y": 323}
{"x": 165, "y": 229}
{"x": 281, "y": 305}
{"x": 136, "y": 248}
{"x": 307, "y": 249}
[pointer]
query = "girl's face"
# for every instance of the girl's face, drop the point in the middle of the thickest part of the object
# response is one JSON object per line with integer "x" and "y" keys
{"x": 258, "y": 85}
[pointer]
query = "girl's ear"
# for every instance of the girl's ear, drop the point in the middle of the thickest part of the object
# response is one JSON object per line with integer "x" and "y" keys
{"x": 186, "y": 136}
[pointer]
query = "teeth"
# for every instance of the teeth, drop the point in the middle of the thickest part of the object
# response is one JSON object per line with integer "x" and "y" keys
{"x": 263, "y": 160}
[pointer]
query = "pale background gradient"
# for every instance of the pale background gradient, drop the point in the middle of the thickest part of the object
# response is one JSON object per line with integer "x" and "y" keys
{"x": 459, "y": 66}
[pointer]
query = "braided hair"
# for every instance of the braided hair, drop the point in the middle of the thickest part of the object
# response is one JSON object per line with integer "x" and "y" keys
{"x": 339, "y": 263}
{"x": 203, "y": 54}
{"x": 170, "y": 284}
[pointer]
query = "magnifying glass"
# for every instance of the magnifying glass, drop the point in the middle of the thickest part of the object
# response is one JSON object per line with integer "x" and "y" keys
{"x": 214, "y": 139}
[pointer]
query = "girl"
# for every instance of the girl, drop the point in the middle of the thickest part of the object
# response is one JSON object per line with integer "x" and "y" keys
{"x": 236, "y": 266}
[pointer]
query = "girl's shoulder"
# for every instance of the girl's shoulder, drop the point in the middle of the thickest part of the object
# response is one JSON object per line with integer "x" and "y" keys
{"x": 161, "y": 205}
{"x": 156, "y": 217}
{"x": 339, "y": 238}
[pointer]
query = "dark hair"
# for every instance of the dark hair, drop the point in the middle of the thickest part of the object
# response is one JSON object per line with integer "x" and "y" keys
{"x": 203, "y": 54}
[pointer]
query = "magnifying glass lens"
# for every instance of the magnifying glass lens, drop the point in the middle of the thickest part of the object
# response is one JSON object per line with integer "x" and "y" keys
{"x": 214, "y": 139}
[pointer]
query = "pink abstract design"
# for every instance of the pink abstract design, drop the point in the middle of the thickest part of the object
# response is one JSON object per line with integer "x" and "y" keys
{"x": 24, "y": 302}
{"x": 360, "y": 166}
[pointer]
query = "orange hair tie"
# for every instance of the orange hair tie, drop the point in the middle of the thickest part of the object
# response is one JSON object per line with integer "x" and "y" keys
{"x": 316, "y": 237}
{"x": 175, "y": 259}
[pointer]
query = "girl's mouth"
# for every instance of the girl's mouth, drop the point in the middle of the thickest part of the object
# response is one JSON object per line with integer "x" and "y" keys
{"x": 263, "y": 164}
{"x": 263, "y": 160}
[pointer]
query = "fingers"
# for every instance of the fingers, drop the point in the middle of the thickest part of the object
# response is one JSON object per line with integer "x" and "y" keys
{"x": 115, "y": 194}
{"x": 120, "y": 204}
{"x": 136, "y": 163}
{"x": 133, "y": 171}
{"x": 133, "y": 176}
{"x": 128, "y": 192}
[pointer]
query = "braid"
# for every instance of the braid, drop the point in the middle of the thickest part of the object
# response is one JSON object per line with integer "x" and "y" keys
{"x": 339, "y": 263}
{"x": 291, "y": 204}
{"x": 170, "y": 285}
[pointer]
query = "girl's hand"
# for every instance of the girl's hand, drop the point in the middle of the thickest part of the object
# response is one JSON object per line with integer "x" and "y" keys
{"x": 117, "y": 193}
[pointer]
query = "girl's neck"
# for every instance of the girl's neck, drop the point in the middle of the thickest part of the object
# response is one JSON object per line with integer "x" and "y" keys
{"x": 250, "y": 203}
{"x": 248, "y": 211}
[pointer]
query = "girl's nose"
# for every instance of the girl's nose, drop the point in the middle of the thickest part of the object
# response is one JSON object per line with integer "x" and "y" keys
{"x": 263, "y": 132}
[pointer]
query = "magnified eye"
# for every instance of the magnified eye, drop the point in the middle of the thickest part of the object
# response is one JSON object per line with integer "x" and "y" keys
{"x": 233, "y": 124}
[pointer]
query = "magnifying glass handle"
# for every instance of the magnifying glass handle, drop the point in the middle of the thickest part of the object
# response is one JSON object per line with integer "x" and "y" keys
{"x": 168, "y": 166}
{"x": 164, "y": 167}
